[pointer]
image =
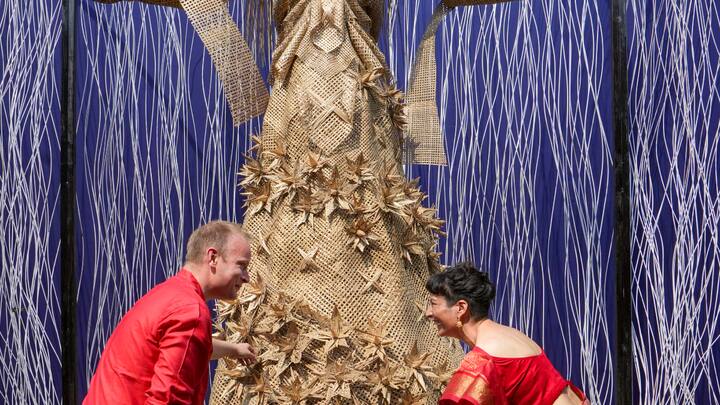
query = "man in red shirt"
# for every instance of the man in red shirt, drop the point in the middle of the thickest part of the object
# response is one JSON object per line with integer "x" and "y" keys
{"x": 159, "y": 353}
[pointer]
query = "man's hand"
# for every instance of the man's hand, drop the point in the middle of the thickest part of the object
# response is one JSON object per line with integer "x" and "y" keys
{"x": 245, "y": 354}
{"x": 242, "y": 352}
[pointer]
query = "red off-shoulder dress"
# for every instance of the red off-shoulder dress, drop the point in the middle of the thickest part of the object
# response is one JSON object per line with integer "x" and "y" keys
{"x": 483, "y": 379}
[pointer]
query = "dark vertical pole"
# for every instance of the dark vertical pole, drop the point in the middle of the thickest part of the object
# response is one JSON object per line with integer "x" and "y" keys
{"x": 67, "y": 197}
{"x": 624, "y": 374}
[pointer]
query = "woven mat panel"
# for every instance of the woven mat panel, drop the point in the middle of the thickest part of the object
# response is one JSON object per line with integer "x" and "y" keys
{"x": 242, "y": 83}
{"x": 342, "y": 244}
{"x": 424, "y": 122}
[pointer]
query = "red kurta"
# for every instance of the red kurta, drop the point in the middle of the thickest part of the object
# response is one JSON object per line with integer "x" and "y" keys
{"x": 160, "y": 351}
{"x": 483, "y": 379}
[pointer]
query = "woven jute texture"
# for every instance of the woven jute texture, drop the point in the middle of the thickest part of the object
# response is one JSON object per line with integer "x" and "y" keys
{"x": 424, "y": 131}
{"x": 244, "y": 88}
{"x": 342, "y": 244}
{"x": 426, "y": 140}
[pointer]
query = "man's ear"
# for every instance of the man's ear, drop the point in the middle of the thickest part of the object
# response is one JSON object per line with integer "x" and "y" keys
{"x": 211, "y": 256}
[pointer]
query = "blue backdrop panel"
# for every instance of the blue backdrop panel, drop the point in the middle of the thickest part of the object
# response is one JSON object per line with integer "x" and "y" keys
{"x": 156, "y": 156}
{"x": 675, "y": 122}
{"x": 525, "y": 100}
{"x": 525, "y": 92}
{"x": 30, "y": 77}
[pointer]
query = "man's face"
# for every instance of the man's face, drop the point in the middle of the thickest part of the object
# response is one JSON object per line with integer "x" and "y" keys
{"x": 230, "y": 268}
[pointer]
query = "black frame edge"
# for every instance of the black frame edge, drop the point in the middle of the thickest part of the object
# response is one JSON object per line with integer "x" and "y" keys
{"x": 67, "y": 208}
{"x": 624, "y": 371}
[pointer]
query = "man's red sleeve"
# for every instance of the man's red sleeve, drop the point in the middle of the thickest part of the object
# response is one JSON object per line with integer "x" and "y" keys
{"x": 183, "y": 358}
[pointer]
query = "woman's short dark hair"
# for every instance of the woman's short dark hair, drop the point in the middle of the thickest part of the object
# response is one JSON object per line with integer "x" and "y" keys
{"x": 464, "y": 282}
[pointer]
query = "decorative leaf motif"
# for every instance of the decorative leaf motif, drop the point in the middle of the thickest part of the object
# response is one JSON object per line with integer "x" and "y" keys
{"x": 315, "y": 163}
{"x": 421, "y": 309}
{"x": 227, "y": 310}
{"x": 361, "y": 235}
{"x": 433, "y": 259}
{"x": 409, "y": 398}
{"x": 252, "y": 294}
{"x": 277, "y": 156}
{"x": 424, "y": 218}
{"x": 260, "y": 388}
{"x": 412, "y": 190}
{"x": 392, "y": 200}
{"x": 396, "y": 105}
{"x": 335, "y": 335}
{"x": 308, "y": 259}
{"x": 376, "y": 340}
{"x": 338, "y": 376}
{"x": 372, "y": 281}
{"x": 279, "y": 312}
{"x": 384, "y": 381}
{"x": 289, "y": 180}
{"x": 369, "y": 79}
{"x": 297, "y": 393}
{"x": 358, "y": 169}
{"x": 259, "y": 198}
{"x": 388, "y": 174}
{"x": 357, "y": 207}
{"x": 253, "y": 172}
{"x": 416, "y": 361}
{"x": 264, "y": 245}
{"x": 336, "y": 193}
{"x": 291, "y": 349}
{"x": 308, "y": 205}
{"x": 442, "y": 373}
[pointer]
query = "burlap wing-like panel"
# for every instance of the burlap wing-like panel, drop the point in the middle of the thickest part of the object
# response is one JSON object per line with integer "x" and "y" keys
{"x": 244, "y": 87}
{"x": 425, "y": 135}
{"x": 424, "y": 132}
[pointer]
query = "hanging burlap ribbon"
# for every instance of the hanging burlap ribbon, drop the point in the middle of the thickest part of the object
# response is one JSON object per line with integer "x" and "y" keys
{"x": 244, "y": 87}
{"x": 425, "y": 135}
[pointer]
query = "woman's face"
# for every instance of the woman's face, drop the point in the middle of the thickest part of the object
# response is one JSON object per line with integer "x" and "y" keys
{"x": 444, "y": 315}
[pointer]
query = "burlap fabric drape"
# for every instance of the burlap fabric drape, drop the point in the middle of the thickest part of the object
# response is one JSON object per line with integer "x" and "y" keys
{"x": 424, "y": 132}
{"x": 343, "y": 245}
{"x": 244, "y": 88}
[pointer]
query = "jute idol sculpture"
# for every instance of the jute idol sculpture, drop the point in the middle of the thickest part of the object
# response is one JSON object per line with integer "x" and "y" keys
{"x": 343, "y": 243}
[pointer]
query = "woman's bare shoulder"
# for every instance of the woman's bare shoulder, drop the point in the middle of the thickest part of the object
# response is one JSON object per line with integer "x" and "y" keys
{"x": 503, "y": 341}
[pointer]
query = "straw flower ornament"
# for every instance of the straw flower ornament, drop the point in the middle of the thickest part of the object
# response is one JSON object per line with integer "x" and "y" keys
{"x": 297, "y": 391}
{"x": 358, "y": 169}
{"x": 376, "y": 341}
{"x": 289, "y": 180}
{"x": 336, "y": 193}
{"x": 419, "y": 370}
{"x": 336, "y": 335}
{"x": 361, "y": 235}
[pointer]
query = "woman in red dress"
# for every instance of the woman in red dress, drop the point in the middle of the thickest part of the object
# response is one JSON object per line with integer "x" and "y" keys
{"x": 505, "y": 366}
